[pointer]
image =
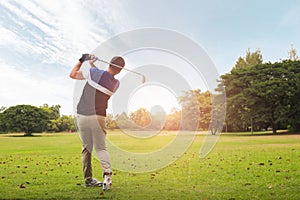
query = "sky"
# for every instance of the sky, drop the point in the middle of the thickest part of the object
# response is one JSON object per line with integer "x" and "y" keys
{"x": 42, "y": 40}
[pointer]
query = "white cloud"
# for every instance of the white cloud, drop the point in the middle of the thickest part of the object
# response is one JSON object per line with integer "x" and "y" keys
{"x": 61, "y": 30}
{"x": 22, "y": 87}
{"x": 48, "y": 37}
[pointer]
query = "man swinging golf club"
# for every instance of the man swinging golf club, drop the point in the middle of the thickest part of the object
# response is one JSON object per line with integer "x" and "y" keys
{"x": 91, "y": 113}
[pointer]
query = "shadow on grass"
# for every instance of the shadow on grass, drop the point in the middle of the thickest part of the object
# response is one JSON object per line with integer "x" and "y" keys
{"x": 25, "y": 136}
{"x": 267, "y": 133}
{"x": 44, "y": 134}
{"x": 19, "y": 135}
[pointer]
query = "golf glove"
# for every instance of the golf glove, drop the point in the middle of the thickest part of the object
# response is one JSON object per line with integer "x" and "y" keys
{"x": 85, "y": 57}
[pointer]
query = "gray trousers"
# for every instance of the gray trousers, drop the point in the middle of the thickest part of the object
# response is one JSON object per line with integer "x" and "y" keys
{"x": 93, "y": 135}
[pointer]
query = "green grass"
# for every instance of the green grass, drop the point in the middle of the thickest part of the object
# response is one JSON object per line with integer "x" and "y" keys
{"x": 48, "y": 166}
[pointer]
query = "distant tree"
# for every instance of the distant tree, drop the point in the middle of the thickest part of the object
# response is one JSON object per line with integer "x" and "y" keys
{"x": 251, "y": 59}
{"x": 53, "y": 111}
{"x": 123, "y": 121}
{"x": 292, "y": 54}
{"x": 196, "y": 109}
{"x": 158, "y": 121}
{"x": 24, "y": 118}
{"x": 205, "y": 104}
{"x": 65, "y": 123}
{"x": 190, "y": 110}
{"x": 293, "y": 95}
{"x": 263, "y": 95}
{"x": 267, "y": 94}
{"x": 110, "y": 122}
{"x": 240, "y": 63}
{"x": 173, "y": 120}
{"x": 141, "y": 117}
{"x": 53, "y": 114}
{"x": 2, "y": 109}
{"x": 238, "y": 113}
{"x": 2, "y": 126}
{"x": 218, "y": 110}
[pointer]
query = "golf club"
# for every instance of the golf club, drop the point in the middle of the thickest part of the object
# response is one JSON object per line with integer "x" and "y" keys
{"x": 143, "y": 76}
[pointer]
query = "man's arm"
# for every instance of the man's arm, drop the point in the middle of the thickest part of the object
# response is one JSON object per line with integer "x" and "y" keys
{"x": 92, "y": 60}
{"x": 76, "y": 73}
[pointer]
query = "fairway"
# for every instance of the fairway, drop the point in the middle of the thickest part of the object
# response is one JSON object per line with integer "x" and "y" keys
{"x": 48, "y": 166}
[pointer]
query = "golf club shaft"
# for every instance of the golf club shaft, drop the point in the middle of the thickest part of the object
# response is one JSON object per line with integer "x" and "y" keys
{"x": 121, "y": 68}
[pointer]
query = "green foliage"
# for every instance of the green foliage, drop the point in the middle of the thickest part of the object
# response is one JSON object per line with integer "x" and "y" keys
{"x": 2, "y": 125}
{"x": 24, "y": 118}
{"x": 29, "y": 119}
{"x": 196, "y": 109}
{"x": 263, "y": 94}
{"x": 123, "y": 121}
{"x": 61, "y": 124}
{"x": 53, "y": 111}
{"x": 251, "y": 59}
{"x": 141, "y": 118}
{"x": 173, "y": 120}
{"x": 218, "y": 110}
{"x": 110, "y": 123}
{"x": 196, "y": 114}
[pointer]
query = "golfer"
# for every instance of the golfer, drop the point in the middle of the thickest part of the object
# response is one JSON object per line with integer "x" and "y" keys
{"x": 91, "y": 113}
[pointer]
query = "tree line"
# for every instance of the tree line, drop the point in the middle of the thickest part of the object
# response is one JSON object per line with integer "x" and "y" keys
{"x": 183, "y": 118}
{"x": 263, "y": 95}
{"x": 31, "y": 119}
{"x": 259, "y": 96}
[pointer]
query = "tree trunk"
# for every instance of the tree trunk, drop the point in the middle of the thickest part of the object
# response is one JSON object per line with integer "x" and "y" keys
{"x": 213, "y": 131}
{"x": 27, "y": 133}
{"x": 274, "y": 125}
{"x": 274, "y": 128}
{"x": 252, "y": 125}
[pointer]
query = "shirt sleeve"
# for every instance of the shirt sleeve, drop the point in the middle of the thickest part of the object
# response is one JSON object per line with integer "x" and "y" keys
{"x": 116, "y": 86}
{"x": 95, "y": 74}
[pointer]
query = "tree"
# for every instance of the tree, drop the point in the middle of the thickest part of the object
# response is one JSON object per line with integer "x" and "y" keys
{"x": 24, "y": 118}
{"x": 267, "y": 95}
{"x": 53, "y": 111}
{"x": 158, "y": 121}
{"x": 123, "y": 121}
{"x": 110, "y": 123}
{"x": 264, "y": 94}
{"x": 251, "y": 59}
{"x": 141, "y": 118}
{"x": 173, "y": 120}
{"x": 2, "y": 126}
{"x": 62, "y": 124}
{"x": 293, "y": 118}
{"x": 65, "y": 123}
{"x": 292, "y": 54}
{"x": 218, "y": 110}
{"x": 2, "y": 109}
{"x": 196, "y": 109}
{"x": 239, "y": 116}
